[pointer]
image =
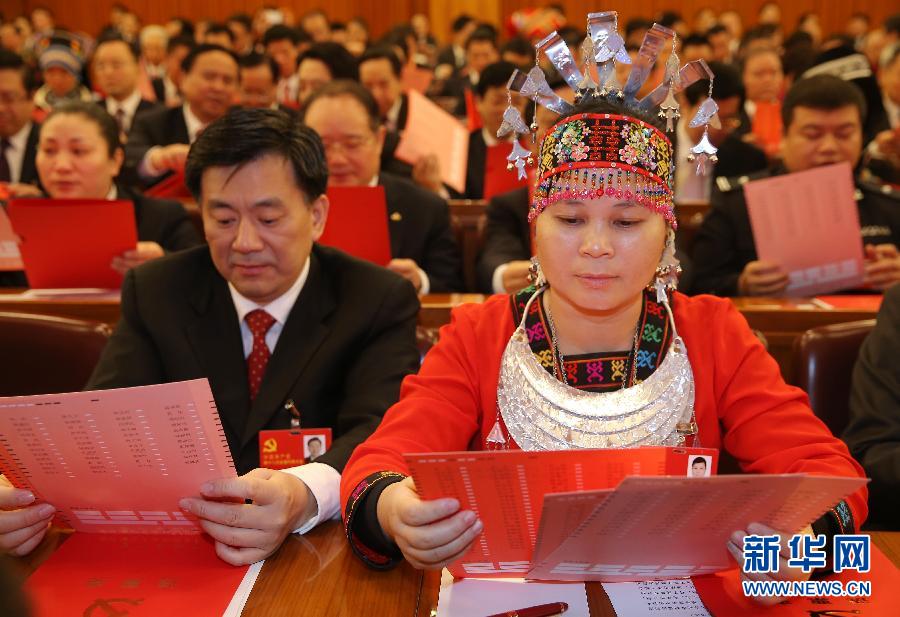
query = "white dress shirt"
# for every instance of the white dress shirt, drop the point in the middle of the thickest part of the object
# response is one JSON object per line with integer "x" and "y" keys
{"x": 15, "y": 153}
{"x": 128, "y": 106}
{"x": 324, "y": 481}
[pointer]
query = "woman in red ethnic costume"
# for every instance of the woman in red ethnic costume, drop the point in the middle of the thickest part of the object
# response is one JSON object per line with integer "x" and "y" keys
{"x": 656, "y": 368}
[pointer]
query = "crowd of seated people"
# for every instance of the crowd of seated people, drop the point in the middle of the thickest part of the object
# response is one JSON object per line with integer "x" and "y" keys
{"x": 257, "y": 110}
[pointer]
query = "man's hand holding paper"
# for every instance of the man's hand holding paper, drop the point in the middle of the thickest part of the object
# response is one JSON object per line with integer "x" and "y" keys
{"x": 247, "y": 532}
{"x": 882, "y": 266}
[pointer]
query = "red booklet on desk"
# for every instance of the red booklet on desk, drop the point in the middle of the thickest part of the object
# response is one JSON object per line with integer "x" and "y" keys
{"x": 358, "y": 223}
{"x": 70, "y": 243}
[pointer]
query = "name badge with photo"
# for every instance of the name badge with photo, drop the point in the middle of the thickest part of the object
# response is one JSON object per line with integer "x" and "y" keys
{"x": 280, "y": 449}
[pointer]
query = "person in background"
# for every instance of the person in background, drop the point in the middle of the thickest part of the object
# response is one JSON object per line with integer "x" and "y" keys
{"x": 168, "y": 87}
{"x": 735, "y": 156}
{"x": 695, "y": 47}
{"x": 423, "y": 248}
{"x": 218, "y": 34}
{"x": 160, "y": 140}
{"x": 61, "y": 64}
{"x": 154, "y": 42}
{"x": 79, "y": 156}
{"x": 18, "y": 133}
{"x": 720, "y": 43}
{"x": 823, "y": 118}
{"x": 315, "y": 24}
{"x": 259, "y": 75}
{"x": 323, "y": 63}
{"x": 873, "y": 431}
{"x": 357, "y": 36}
{"x": 380, "y": 73}
{"x": 452, "y": 58}
{"x": 481, "y": 50}
{"x": 11, "y": 38}
{"x": 241, "y": 26}
{"x": 858, "y": 27}
{"x": 763, "y": 78}
{"x": 282, "y": 44}
{"x": 519, "y": 52}
{"x": 491, "y": 99}
{"x": 117, "y": 72}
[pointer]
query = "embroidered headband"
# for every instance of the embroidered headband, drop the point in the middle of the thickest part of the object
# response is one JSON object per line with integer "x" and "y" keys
{"x": 590, "y": 155}
{"x": 615, "y": 154}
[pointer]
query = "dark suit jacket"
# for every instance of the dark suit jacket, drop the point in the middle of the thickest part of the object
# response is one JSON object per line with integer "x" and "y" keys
{"x": 475, "y": 165}
{"x": 724, "y": 243}
{"x": 738, "y": 158}
{"x": 347, "y": 344}
{"x": 389, "y": 162}
{"x": 507, "y": 236}
{"x": 158, "y": 220}
{"x": 873, "y": 433}
{"x": 160, "y": 127}
{"x": 143, "y": 107}
{"x": 419, "y": 226}
{"x": 29, "y": 174}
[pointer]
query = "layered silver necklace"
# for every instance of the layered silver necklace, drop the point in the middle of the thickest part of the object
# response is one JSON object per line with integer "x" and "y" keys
{"x": 543, "y": 413}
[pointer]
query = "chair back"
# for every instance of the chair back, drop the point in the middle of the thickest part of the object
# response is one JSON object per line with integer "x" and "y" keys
{"x": 823, "y": 362}
{"x": 44, "y": 354}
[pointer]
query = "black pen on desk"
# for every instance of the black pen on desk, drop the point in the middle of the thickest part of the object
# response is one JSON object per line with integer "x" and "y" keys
{"x": 541, "y": 610}
{"x": 295, "y": 413}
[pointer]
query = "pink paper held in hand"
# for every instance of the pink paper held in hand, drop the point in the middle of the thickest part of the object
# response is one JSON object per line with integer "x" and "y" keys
{"x": 431, "y": 130}
{"x": 808, "y": 223}
{"x": 116, "y": 461}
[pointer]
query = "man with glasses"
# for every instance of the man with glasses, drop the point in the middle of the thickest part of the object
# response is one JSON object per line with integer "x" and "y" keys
{"x": 18, "y": 134}
{"x": 736, "y": 157}
{"x": 345, "y": 115}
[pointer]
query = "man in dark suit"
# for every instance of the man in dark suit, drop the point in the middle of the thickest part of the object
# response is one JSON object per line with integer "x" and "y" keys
{"x": 422, "y": 245}
{"x": 822, "y": 118}
{"x": 168, "y": 86}
{"x": 117, "y": 71}
{"x": 160, "y": 139}
{"x": 736, "y": 157}
{"x": 259, "y": 82}
{"x": 491, "y": 98}
{"x": 18, "y": 134}
{"x": 269, "y": 318}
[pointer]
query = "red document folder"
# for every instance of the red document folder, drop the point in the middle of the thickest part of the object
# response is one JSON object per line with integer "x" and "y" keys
{"x": 497, "y": 178}
{"x": 507, "y": 489}
{"x": 171, "y": 187}
{"x": 134, "y": 575}
{"x": 10, "y": 257}
{"x": 70, "y": 243}
{"x": 358, "y": 223}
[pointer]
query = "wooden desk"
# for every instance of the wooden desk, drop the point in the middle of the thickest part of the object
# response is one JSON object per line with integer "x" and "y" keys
{"x": 318, "y": 574}
{"x": 783, "y": 320}
{"x": 103, "y": 309}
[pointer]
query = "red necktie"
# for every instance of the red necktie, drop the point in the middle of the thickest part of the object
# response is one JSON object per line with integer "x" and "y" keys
{"x": 259, "y": 323}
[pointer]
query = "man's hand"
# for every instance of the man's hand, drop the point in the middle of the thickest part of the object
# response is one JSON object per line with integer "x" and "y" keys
{"x": 245, "y": 533}
{"x": 427, "y": 173}
{"x": 515, "y": 276}
{"x": 408, "y": 269}
{"x": 145, "y": 251}
{"x": 762, "y": 278}
{"x": 431, "y": 534}
{"x": 22, "y": 524}
{"x": 170, "y": 157}
{"x": 735, "y": 546}
{"x": 882, "y": 266}
{"x": 888, "y": 146}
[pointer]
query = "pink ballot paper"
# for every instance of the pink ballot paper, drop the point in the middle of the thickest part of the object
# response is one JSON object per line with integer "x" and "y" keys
{"x": 115, "y": 464}
{"x": 116, "y": 461}
{"x": 506, "y": 489}
{"x": 431, "y": 130}
{"x": 667, "y": 527}
{"x": 809, "y": 224}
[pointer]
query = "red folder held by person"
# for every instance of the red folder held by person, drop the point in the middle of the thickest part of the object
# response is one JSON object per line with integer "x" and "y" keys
{"x": 358, "y": 223}
{"x": 170, "y": 187}
{"x": 70, "y": 243}
{"x": 497, "y": 178}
